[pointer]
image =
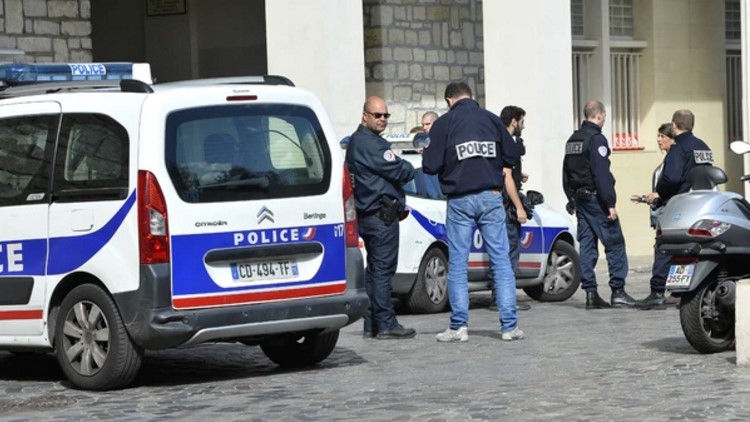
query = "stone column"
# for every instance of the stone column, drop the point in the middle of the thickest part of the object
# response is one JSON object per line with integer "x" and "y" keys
{"x": 527, "y": 60}
{"x": 319, "y": 45}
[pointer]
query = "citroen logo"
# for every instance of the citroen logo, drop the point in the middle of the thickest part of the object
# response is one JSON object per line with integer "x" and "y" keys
{"x": 265, "y": 214}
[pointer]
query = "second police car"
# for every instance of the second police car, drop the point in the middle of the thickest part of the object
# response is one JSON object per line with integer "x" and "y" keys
{"x": 548, "y": 265}
{"x": 136, "y": 216}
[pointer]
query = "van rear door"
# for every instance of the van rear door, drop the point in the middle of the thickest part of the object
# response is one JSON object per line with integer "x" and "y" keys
{"x": 256, "y": 213}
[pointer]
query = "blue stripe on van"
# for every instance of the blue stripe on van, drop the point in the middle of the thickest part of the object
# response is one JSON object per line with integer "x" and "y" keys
{"x": 190, "y": 275}
{"x": 69, "y": 253}
{"x": 534, "y": 239}
{"x": 66, "y": 254}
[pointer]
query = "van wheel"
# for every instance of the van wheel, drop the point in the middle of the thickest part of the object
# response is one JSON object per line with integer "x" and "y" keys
{"x": 430, "y": 292}
{"x": 92, "y": 346}
{"x": 291, "y": 351}
{"x": 562, "y": 275}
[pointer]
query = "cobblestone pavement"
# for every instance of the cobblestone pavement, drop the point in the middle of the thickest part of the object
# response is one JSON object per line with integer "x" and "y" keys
{"x": 574, "y": 365}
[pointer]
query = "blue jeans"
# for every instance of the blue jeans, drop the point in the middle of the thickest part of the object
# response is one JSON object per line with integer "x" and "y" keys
{"x": 593, "y": 226}
{"x": 381, "y": 244}
{"x": 485, "y": 211}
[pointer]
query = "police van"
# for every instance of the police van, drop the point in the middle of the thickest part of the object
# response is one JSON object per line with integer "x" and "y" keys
{"x": 140, "y": 216}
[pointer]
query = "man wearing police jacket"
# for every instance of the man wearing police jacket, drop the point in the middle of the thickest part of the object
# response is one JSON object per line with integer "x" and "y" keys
{"x": 590, "y": 188}
{"x": 468, "y": 149}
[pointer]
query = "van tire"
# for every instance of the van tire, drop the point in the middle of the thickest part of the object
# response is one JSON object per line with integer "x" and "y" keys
{"x": 562, "y": 276}
{"x": 292, "y": 351}
{"x": 118, "y": 358}
{"x": 430, "y": 292}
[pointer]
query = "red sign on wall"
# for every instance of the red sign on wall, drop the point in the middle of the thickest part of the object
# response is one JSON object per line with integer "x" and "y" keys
{"x": 626, "y": 142}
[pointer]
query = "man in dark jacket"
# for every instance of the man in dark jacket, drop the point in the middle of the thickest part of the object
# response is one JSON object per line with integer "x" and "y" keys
{"x": 468, "y": 148}
{"x": 590, "y": 188}
{"x": 378, "y": 175}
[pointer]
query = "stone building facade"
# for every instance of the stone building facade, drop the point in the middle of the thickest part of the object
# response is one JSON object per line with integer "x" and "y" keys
{"x": 414, "y": 48}
{"x": 45, "y": 31}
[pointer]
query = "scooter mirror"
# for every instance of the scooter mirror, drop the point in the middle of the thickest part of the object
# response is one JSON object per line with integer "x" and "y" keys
{"x": 739, "y": 147}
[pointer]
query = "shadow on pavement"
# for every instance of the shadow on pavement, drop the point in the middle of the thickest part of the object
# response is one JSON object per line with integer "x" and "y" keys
{"x": 217, "y": 362}
{"x": 193, "y": 365}
{"x": 671, "y": 345}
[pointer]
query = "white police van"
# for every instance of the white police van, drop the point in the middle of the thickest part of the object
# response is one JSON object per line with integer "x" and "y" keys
{"x": 137, "y": 216}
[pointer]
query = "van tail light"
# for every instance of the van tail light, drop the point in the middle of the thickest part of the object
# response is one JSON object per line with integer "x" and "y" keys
{"x": 153, "y": 232}
{"x": 350, "y": 212}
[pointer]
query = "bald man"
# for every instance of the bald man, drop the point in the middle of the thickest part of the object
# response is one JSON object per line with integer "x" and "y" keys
{"x": 378, "y": 175}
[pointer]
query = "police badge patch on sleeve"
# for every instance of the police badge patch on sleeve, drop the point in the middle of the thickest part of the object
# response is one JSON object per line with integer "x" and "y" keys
{"x": 389, "y": 156}
{"x": 602, "y": 151}
{"x": 703, "y": 157}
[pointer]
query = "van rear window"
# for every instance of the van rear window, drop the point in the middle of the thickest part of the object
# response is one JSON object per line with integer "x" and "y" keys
{"x": 249, "y": 151}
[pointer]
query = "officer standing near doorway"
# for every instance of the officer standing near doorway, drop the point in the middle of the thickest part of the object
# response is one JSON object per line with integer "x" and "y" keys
{"x": 590, "y": 188}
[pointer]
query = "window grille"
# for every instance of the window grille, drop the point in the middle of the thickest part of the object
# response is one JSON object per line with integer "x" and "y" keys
{"x": 732, "y": 19}
{"x": 576, "y": 18}
{"x": 621, "y": 19}
{"x": 581, "y": 72}
{"x": 624, "y": 116}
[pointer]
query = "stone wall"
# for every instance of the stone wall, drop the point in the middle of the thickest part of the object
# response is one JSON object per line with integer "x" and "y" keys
{"x": 45, "y": 30}
{"x": 414, "y": 48}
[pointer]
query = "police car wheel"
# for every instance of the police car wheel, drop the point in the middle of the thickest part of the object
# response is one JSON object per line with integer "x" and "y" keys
{"x": 297, "y": 350}
{"x": 562, "y": 276}
{"x": 430, "y": 292}
{"x": 92, "y": 345}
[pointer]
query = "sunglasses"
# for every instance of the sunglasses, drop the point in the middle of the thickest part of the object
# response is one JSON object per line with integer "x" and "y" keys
{"x": 379, "y": 115}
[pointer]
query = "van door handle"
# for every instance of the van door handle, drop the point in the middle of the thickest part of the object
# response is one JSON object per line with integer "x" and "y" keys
{"x": 265, "y": 251}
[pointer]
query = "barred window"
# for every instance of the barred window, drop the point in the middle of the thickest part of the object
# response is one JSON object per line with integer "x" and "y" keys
{"x": 732, "y": 19}
{"x": 621, "y": 18}
{"x": 576, "y": 18}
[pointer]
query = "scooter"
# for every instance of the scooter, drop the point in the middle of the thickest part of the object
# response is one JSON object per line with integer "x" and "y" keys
{"x": 707, "y": 234}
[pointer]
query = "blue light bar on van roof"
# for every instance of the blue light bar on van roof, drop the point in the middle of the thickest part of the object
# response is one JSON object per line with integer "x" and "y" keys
{"x": 23, "y": 74}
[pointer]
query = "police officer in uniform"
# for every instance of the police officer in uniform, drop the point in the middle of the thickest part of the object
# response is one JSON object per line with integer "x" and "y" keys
{"x": 378, "y": 175}
{"x": 590, "y": 188}
{"x": 468, "y": 148}
{"x": 687, "y": 152}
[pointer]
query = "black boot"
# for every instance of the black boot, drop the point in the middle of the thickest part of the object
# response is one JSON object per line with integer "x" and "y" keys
{"x": 620, "y": 299}
{"x": 655, "y": 300}
{"x": 594, "y": 301}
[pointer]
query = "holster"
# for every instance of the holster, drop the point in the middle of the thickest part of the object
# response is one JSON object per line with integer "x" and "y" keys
{"x": 585, "y": 194}
{"x": 389, "y": 209}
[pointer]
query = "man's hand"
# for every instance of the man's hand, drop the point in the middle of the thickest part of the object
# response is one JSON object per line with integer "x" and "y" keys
{"x": 524, "y": 177}
{"x": 521, "y": 216}
{"x": 612, "y": 214}
{"x": 651, "y": 197}
{"x": 570, "y": 207}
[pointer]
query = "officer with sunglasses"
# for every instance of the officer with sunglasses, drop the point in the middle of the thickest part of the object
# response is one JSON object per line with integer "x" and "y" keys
{"x": 378, "y": 175}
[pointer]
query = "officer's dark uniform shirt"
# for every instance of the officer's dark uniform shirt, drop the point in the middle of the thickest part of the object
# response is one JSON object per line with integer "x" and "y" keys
{"x": 686, "y": 153}
{"x": 376, "y": 170}
{"x": 468, "y": 149}
{"x": 517, "y": 171}
{"x": 586, "y": 164}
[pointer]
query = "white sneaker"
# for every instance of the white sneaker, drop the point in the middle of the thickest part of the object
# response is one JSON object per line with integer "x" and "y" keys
{"x": 515, "y": 334}
{"x": 452, "y": 336}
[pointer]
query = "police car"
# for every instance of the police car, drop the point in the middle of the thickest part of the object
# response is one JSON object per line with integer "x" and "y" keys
{"x": 138, "y": 216}
{"x": 548, "y": 264}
